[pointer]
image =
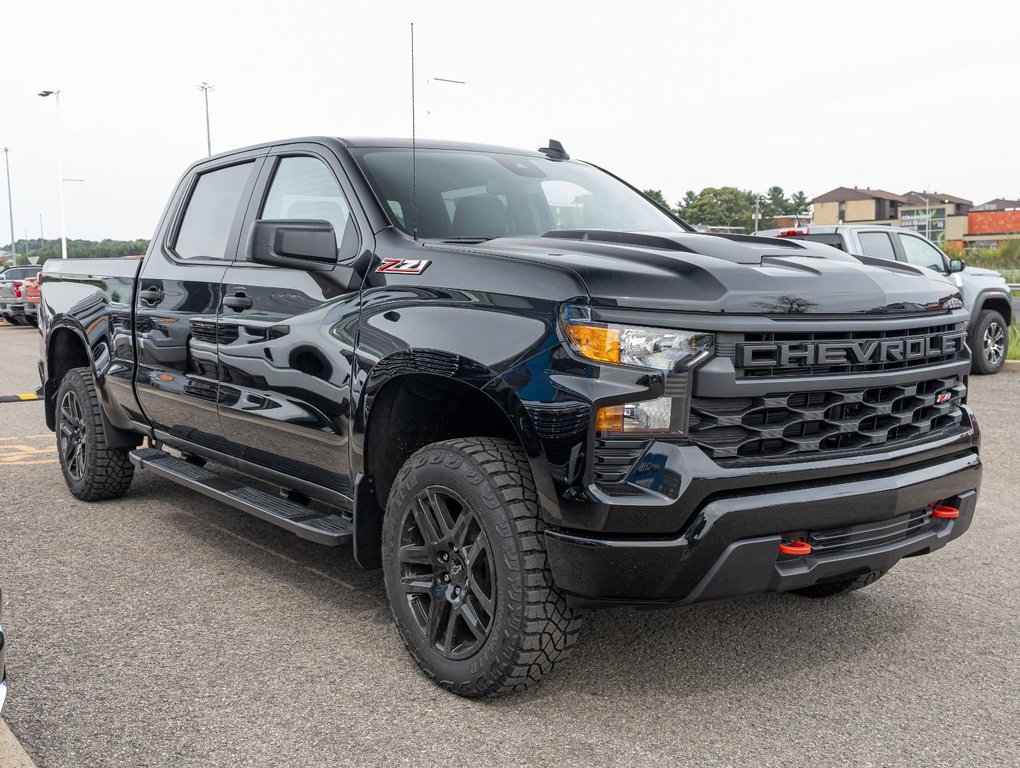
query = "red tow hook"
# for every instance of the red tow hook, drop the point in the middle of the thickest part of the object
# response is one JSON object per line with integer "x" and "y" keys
{"x": 795, "y": 548}
{"x": 945, "y": 512}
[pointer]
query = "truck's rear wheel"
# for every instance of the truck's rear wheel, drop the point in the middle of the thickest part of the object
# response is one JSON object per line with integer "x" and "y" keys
{"x": 989, "y": 338}
{"x": 466, "y": 570}
{"x": 91, "y": 470}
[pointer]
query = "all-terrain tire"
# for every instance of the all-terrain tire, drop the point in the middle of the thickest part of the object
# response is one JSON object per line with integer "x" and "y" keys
{"x": 989, "y": 341}
{"x": 531, "y": 626}
{"x": 833, "y": 588}
{"x": 92, "y": 470}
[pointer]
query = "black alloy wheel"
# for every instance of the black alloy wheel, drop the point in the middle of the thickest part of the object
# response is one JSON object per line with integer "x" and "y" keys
{"x": 467, "y": 575}
{"x": 447, "y": 572}
{"x": 92, "y": 469}
{"x": 71, "y": 435}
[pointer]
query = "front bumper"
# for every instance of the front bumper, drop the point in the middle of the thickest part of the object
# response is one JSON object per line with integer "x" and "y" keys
{"x": 731, "y": 546}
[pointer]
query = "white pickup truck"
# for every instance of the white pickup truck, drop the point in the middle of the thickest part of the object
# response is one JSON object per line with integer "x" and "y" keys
{"x": 985, "y": 292}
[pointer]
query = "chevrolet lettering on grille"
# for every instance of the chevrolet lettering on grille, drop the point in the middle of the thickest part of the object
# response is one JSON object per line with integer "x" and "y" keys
{"x": 856, "y": 352}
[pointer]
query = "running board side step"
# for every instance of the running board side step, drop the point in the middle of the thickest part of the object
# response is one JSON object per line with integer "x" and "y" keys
{"x": 309, "y": 524}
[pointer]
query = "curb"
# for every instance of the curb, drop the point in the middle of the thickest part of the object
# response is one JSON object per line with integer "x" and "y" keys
{"x": 1013, "y": 365}
{"x": 12, "y": 755}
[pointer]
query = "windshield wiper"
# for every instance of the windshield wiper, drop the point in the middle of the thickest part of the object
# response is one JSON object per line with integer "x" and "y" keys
{"x": 469, "y": 240}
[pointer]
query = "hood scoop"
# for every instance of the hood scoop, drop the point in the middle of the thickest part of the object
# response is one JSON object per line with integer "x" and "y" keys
{"x": 639, "y": 239}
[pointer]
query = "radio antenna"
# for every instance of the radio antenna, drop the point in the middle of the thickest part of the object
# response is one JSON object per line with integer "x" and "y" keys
{"x": 414, "y": 152}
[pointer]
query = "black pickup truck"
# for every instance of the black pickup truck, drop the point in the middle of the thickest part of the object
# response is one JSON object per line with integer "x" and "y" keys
{"x": 516, "y": 385}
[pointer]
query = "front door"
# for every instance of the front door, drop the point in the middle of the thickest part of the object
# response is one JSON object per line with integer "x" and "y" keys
{"x": 286, "y": 337}
{"x": 177, "y": 300}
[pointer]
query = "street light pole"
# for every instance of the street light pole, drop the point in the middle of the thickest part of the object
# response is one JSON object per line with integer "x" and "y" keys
{"x": 60, "y": 167}
{"x": 10, "y": 203}
{"x": 205, "y": 88}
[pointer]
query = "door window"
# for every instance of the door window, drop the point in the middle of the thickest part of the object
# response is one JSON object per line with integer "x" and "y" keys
{"x": 921, "y": 254}
{"x": 305, "y": 188}
{"x": 877, "y": 244}
{"x": 205, "y": 228}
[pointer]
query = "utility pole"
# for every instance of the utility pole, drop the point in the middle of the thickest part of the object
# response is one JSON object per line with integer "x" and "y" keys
{"x": 10, "y": 204}
{"x": 60, "y": 166}
{"x": 205, "y": 88}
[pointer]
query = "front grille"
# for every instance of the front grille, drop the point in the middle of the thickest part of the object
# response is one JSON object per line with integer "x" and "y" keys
{"x": 796, "y": 339}
{"x": 821, "y": 423}
{"x": 868, "y": 535}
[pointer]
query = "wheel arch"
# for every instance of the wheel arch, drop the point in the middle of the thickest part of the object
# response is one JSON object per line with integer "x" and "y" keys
{"x": 67, "y": 349}
{"x": 418, "y": 405}
{"x": 997, "y": 302}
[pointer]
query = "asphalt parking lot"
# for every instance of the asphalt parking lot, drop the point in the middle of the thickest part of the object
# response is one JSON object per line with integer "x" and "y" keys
{"x": 164, "y": 629}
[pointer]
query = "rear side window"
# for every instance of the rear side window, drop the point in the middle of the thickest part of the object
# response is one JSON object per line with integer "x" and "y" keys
{"x": 878, "y": 245}
{"x": 828, "y": 239}
{"x": 205, "y": 228}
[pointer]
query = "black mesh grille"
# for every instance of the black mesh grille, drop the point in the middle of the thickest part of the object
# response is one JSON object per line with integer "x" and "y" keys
{"x": 816, "y": 424}
{"x": 796, "y": 339}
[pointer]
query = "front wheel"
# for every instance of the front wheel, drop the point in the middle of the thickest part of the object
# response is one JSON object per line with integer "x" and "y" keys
{"x": 92, "y": 471}
{"x": 989, "y": 338}
{"x": 466, "y": 571}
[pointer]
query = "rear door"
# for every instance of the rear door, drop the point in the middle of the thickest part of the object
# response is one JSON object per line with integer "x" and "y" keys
{"x": 287, "y": 334}
{"x": 178, "y": 297}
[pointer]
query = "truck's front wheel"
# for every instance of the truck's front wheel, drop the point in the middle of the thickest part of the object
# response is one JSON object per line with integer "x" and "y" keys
{"x": 92, "y": 470}
{"x": 466, "y": 569}
{"x": 989, "y": 339}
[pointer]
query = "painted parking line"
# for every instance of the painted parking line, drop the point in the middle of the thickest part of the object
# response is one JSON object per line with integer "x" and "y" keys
{"x": 27, "y": 450}
{"x": 22, "y": 398}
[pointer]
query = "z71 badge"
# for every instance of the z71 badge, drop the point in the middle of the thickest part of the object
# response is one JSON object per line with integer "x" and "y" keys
{"x": 403, "y": 266}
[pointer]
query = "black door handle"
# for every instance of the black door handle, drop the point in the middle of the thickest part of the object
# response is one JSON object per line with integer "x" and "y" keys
{"x": 238, "y": 301}
{"x": 151, "y": 295}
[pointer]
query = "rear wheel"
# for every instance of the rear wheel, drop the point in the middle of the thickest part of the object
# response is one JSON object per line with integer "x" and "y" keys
{"x": 833, "y": 588}
{"x": 466, "y": 570}
{"x": 92, "y": 471}
{"x": 989, "y": 338}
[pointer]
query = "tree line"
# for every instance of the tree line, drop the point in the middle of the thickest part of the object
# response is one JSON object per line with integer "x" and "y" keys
{"x": 77, "y": 249}
{"x": 732, "y": 207}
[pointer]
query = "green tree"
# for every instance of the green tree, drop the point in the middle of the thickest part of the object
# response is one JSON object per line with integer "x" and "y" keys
{"x": 683, "y": 206}
{"x": 799, "y": 203}
{"x": 657, "y": 196}
{"x": 721, "y": 207}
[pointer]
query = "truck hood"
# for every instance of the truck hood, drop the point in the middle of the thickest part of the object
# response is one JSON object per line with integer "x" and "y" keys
{"x": 982, "y": 272}
{"x": 697, "y": 272}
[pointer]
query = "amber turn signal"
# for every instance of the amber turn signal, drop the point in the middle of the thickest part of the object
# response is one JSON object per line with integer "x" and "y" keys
{"x": 595, "y": 342}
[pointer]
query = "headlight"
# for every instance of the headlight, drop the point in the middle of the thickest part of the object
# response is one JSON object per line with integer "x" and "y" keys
{"x": 662, "y": 348}
{"x": 671, "y": 351}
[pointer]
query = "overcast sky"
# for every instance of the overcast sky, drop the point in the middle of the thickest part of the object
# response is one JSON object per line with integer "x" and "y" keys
{"x": 671, "y": 95}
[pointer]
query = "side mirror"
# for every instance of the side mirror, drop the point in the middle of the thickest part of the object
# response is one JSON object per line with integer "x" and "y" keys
{"x": 296, "y": 243}
{"x": 957, "y": 265}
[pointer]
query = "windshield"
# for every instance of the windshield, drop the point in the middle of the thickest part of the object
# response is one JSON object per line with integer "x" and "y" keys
{"x": 468, "y": 195}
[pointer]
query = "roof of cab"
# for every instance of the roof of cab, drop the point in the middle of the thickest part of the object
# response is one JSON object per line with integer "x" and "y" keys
{"x": 380, "y": 143}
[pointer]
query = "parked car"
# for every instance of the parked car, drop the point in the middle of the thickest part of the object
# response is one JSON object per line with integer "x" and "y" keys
{"x": 12, "y": 297}
{"x": 985, "y": 292}
{"x": 518, "y": 386}
{"x": 30, "y": 290}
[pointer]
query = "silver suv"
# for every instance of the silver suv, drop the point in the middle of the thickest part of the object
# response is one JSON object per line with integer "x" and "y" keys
{"x": 985, "y": 293}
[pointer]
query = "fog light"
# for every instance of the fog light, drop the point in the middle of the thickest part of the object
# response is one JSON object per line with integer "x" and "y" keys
{"x": 649, "y": 416}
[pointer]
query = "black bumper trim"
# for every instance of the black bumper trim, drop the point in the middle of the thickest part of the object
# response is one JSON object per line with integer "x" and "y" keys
{"x": 731, "y": 547}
